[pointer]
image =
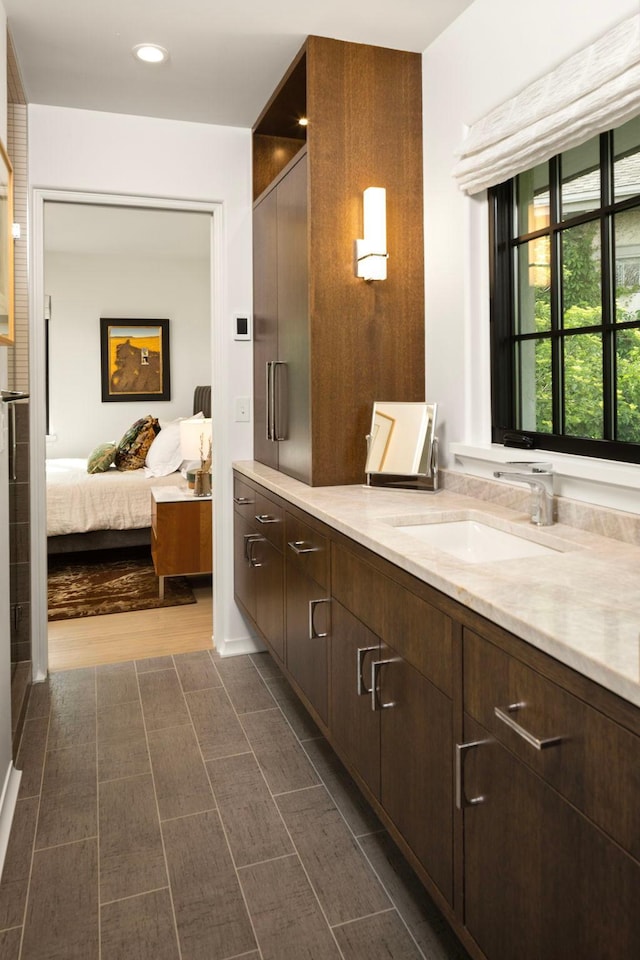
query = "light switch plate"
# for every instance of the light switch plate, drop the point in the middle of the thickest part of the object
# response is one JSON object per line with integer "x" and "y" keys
{"x": 242, "y": 409}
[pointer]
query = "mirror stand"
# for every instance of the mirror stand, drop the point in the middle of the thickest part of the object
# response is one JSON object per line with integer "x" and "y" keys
{"x": 427, "y": 482}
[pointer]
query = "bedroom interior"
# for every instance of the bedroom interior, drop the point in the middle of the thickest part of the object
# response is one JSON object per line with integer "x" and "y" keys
{"x": 99, "y": 522}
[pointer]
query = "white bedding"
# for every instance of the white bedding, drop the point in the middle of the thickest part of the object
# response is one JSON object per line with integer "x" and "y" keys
{"x": 116, "y": 500}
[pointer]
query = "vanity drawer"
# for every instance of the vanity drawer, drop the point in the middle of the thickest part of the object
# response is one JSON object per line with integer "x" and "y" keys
{"x": 417, "y": 630}
{"x": 244, "y": 498}
{"x": 588, "y": 758}
{"x": 268, "y": 518}
{"x": 308, "y": 549}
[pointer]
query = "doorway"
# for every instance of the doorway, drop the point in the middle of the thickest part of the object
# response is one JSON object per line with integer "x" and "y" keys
{"x": 122, "y": 258}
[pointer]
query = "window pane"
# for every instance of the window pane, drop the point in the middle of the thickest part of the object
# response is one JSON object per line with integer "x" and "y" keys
{"x": 533, "y": 313}
{"x": 626, "y": 167}
{"x": 628, "y": 385}
{"x": 581, "y": 276}
{"x": 532, "y": 200}
{"x": 535, "y": 411}
{"x": 583, "y": 402}
{"x": 581, "y": 179}
{"x": 627, "y": 251}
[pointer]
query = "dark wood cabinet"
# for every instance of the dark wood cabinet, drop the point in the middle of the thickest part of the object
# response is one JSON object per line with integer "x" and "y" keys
{"x": 508, "y": 780}
{"x": 340, "y": 343}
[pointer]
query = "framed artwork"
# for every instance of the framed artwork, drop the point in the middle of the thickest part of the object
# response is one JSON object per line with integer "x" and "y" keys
{"x": 134, "y": 360}
{"x": 7, "y": 333}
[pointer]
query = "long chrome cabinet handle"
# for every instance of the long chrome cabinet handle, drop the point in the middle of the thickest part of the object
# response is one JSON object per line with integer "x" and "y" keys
{"x": 376, "y": 703}
{"x": 269, "y": 383}
{"x": 533, "y": 741}
{"x": 462, "y": 800}
{"x": 301, "y": 546}
{"x": 249, "y": 538}
{"x": 277, "y": 434}
{"x": 313, "y": 634}
{"x": 266, "y": 518}
{"x": 363, "y": 689}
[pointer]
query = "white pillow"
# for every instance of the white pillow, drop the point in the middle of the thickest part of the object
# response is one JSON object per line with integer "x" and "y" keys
{"x": 164, "y": 455}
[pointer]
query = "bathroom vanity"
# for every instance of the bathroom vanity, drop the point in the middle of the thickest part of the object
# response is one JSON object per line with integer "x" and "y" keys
{"x": 489, "y": 709}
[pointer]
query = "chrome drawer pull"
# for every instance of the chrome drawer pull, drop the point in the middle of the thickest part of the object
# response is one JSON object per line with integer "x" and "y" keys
{"x": 266, "y": 518}
{"x": 462, "y": 800}
{"x": 242, "y": 500}
{"x": 376, "y": 703}
{"x": 528, "y": 737}
{"x": 249, "y": 538}
{"x": 313, "y": 635}
{"x": 301, "y": 546}
{"x": 363, "y": 689}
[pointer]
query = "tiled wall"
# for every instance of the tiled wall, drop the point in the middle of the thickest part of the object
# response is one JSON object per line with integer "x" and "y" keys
{"x": 18, "y": 357}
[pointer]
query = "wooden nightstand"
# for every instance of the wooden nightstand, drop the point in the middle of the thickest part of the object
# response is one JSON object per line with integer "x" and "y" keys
{"x": 181, "y": 541}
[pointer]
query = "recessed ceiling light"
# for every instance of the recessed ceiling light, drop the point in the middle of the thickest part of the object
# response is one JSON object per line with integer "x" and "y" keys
{"x": 150, "y": 53}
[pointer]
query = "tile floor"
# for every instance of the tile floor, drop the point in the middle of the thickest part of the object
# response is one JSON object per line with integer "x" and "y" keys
{"x": 186, "y": 808}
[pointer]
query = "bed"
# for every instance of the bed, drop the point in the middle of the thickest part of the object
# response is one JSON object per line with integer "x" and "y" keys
{"x": 108, "y": 510}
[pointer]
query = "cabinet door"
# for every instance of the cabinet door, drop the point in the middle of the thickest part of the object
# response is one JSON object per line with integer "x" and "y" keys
{"x": 293, "y": 381}
{"x": 416, "y": 754}
{"x": 308, "y": 629}
{"x": 268, "y": 566}
{"x": 243, "y": 572}
{"x": 355, "y": 727}
{"x": 541, "y": 881}
{"x": 265, "y": 320}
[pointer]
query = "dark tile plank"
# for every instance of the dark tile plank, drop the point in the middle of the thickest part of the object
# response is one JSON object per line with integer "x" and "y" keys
{"x": 17, "y": 864}
{"x": 377, "y": 938}
{"x": 73, "y": 708}
{"x": 10, "y": 943}
{"x": 116, "y": 683}
{"x": 182, "y": 784}
{"x": 301, "y": 723}
{"x": 348, "y": 799}
{"x": 244, "y": 685}
{"x": 281, "y": 758}
{"x": 428, "y": 927}
{"x": 31, "y": 756}
{"x": 141, "y": 927}
{"x": 345, "y": 884}
{"x": 217, "y": 727}
{"x": 162, "y": 700}
{"x": 122, "y": 742}
{"x": 196, "y": 670}
{"x": 131, "y": 854}
{"x": 250, "y": 816}
{"x": 39, "y": 700}
{"x": 154, "y": 663}
{"x": 265, "y": 665}
{"x": 286, "y": 917}
{"x": 62, "y": 913}
{"x": 69, "y": 803}
{"x": 212, "y": 919}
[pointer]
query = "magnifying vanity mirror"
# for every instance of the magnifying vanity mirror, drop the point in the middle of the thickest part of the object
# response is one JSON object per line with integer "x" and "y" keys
{"x": 402, "y": 446}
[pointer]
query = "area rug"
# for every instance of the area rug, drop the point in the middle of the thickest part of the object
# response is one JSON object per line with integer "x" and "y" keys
{"x": 90, "y": 587}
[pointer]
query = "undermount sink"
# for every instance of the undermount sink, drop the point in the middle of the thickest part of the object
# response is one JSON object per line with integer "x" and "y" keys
{"x": 474, "y": 541}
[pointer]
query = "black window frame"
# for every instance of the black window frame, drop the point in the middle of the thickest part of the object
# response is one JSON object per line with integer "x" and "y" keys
{"x": 503, "y": 241}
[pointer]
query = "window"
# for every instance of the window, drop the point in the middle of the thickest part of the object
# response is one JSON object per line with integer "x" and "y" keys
{"x": 565, "y": 300}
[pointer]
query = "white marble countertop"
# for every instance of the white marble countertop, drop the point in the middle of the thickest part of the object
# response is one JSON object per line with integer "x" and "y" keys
{"x": 581, "y": 604}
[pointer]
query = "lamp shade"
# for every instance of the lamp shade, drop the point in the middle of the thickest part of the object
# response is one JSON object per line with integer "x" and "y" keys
{"x": 195, "y": 437}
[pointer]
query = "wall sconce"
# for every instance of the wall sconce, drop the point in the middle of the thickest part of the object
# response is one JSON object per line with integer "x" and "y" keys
{"x": 371, "y": 253}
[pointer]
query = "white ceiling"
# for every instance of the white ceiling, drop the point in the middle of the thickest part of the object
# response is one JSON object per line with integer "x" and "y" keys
{"x": 226, "y": 56}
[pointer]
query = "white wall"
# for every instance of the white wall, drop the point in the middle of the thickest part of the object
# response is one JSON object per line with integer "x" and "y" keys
{"x": 493, "y": 50}
{"x": 84, "y": 288}
{"x": 78, "y": 150}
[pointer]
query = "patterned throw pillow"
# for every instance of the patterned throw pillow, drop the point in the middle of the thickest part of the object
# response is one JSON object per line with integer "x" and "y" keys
{"x": 133, "y": 448}
{"x": 101, "y": 458}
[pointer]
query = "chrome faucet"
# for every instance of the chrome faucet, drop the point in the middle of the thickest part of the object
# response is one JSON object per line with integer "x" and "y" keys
{"x": 539, "y": 476}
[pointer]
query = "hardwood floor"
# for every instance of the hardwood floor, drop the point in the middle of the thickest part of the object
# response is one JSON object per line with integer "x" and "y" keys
{"x": 91, "y": 641}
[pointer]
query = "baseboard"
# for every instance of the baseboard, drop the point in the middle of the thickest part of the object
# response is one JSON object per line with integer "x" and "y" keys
{"x": 238, "y": 646}
{"x": 7, "y": 809}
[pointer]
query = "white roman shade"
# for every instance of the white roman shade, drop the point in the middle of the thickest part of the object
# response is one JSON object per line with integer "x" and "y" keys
{"x": 593, "y": 91}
